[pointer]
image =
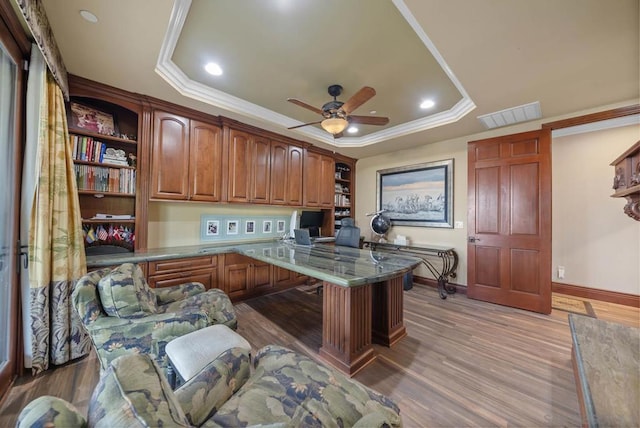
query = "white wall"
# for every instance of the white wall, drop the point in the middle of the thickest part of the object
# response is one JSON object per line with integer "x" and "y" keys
{"x": 174, "y": 224}
{"x": 598, "y": 245}
{"x": 599, "y": 248}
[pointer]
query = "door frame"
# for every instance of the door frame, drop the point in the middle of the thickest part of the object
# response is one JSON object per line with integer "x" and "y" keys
{"x": 17, "y": 45}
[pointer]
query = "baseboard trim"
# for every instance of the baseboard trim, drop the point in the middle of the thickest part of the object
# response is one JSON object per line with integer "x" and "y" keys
{"x": 462, "y": 289}
{"x": 596, "y": 294}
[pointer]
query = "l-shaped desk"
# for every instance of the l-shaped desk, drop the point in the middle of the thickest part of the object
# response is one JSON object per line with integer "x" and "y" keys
{"x": 362, "y": 290}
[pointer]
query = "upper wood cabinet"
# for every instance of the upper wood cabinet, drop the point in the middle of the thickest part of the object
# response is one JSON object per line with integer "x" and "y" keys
{"x": 186, "y": 159}
{"x": 249, "y": 175}
{"x": 205, "y": 166}
{"x": 286, "y": 174}
{"x": 319, "y": 180}
{"x": 170, "y": 156}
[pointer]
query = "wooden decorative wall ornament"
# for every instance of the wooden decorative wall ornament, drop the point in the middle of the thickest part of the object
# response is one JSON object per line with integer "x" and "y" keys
{"x": 626, "y": 182}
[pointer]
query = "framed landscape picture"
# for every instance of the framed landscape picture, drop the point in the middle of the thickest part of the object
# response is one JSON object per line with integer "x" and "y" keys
{"x": 417, "y": 195}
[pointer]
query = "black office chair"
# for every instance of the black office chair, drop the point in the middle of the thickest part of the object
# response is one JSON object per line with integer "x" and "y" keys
{"x": 349, "y": 234}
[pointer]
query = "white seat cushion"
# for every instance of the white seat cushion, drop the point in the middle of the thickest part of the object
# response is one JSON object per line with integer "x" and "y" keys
{"x": 192, "y": 352}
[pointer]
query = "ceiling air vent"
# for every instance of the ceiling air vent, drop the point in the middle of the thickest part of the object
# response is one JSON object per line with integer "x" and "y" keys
{"x": 523, "y": 113}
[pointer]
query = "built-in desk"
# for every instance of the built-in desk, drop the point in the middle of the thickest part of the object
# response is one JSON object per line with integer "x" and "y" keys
{"x": 447, "y": 256}
{"x": 362, "y": 295}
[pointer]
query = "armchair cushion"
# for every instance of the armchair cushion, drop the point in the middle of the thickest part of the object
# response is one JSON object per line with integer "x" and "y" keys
{"x": 124, "y": 292}
{"x": 290, "y": 388}
{"x": 202, "y": 395}
{"x": 134, "y": 393}
{"x": 167, "y": 295}
{"x": 48, "y": 411}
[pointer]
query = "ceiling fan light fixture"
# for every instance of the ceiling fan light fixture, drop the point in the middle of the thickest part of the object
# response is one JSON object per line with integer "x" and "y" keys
{"x": 352, "y": 130}
{"x": 334, "y": 125}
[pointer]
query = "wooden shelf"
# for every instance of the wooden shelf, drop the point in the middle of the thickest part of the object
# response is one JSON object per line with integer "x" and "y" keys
{"x": 108, "y": 220}
{"x": 116, "y": 194}
{"x": 626, "y": 192}
{"x": 103, "y": 164}
{"x": 97, "y": 136}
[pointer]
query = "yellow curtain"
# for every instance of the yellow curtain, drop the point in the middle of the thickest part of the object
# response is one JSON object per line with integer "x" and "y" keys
{"x": 56, "y": 246}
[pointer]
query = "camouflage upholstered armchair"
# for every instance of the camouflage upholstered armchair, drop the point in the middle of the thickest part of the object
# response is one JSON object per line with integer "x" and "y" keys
{"x": 286, "y": 390}
{"x": 122, "y": 314}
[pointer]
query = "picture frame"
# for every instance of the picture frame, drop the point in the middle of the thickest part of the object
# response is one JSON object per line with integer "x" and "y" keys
{"x": 417, "y": 195}
{"x": 267, "y": 226}
{"x": 280, "y": 226}
{"x": 212, "y": 228}
{"x": 232, "y": 227}
{"x": 250, "y": 227}
{"x": 91, "y": 119}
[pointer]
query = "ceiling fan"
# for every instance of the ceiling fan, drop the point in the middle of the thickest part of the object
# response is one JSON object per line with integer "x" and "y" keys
{"x": 337, "y": 114}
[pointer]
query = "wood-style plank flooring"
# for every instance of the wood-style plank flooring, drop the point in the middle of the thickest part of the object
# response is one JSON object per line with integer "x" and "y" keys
{"x": 464, "y": 362}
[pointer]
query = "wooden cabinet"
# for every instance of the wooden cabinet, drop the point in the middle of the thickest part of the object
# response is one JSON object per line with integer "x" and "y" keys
{"x": 244, "y": 276}
{"x": 185, "y": 159}
{"x": 167, "y": 273}
{"x": 285, "y": 278}
{"x": 286, "y": 174}
{"x": 318, "y": 184}
{"x": 626, "y": 182}
{"x": 205, "y": 166}
{"x": 249, "y": 174}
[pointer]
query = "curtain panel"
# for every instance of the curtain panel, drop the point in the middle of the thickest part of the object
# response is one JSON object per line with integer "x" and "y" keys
{"x": 56, "y": 248}
{"x": 38, "y": 23}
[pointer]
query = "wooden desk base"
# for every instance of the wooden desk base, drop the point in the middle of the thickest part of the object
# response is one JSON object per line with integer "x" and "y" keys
{"x": 354, "y": 317}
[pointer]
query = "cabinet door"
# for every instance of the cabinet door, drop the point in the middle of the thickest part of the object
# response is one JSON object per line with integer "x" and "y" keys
{"x": 279, "y": 179}
{"x": 327, "y": 183}
{"x": 294, "y": 176}
{"x": 281, "y": 276}
{"x": 261, "y": 276}
{"x": 312, "y": 171}
{"x": 205, "y": 168}
{"x": 260, "y": 170}
{"x": 239, "y": 166}
{"x": 169, "y": 156}
{"x": 236, "y": 277}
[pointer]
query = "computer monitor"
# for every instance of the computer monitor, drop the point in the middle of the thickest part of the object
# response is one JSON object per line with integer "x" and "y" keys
{"x": 312, "y": 220}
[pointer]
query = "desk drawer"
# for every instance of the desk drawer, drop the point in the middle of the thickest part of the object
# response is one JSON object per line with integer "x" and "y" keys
{"x": 178, "y": 265}
{"x": 208, "y": 277}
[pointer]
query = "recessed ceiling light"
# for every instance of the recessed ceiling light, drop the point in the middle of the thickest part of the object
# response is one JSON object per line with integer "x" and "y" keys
{"x": 352, "y": 130}
{"x": 89, "y": 16}
{"x": 373, "y": 112}
{"x": 427, "y": 104}
{"x": 213, "y": 68}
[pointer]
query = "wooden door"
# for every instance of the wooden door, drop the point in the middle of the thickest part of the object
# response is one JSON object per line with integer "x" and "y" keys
{"x": 312, "y": 171}
{"x": 294, "y": 176}
{"x": 261, "y": 273}
{"x": 205, "y": 167}
{"x": 279, "y": 181}
{"x": 239, "y": 166}
{"x": 236, "y": 275}
{"x": 170, "y": 156}
{"x": 260, "y": 170}
{"x": 509, "y": 208}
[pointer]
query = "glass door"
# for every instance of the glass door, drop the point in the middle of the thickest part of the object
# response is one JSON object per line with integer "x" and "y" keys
{"x": 10, "y": 80}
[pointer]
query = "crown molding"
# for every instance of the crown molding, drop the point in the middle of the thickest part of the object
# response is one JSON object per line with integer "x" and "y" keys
{"x": 172, "y": 74}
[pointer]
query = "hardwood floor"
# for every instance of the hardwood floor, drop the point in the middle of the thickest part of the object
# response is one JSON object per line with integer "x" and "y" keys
{"x": 464, "y": 362}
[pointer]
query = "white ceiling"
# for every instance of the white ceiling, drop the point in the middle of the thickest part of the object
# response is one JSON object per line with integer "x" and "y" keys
{"x": 470, "y": 57}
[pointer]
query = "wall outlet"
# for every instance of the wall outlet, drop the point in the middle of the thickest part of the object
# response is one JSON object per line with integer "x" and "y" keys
{"x": 560, "y": 272}
{"x": 458, "y": 225}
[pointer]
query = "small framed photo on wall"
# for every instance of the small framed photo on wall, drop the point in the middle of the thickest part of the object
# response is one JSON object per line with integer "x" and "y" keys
{"x": 213, "y": 228}
{"x": 250, "y": 227}
{"x": 267, "y": 226}
{"x": 232, "y": 227}
{"x": 280, "y": 226}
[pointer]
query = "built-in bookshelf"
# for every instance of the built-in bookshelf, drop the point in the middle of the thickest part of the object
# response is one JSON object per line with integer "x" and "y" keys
{"x": 105, "y": 167}
{"x": 343, "y": 194}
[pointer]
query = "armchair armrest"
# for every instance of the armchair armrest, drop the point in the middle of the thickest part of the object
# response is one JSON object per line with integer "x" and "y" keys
{"x": 202, "y": 395}
{"x": 50, "y": 411}
{"x": 178, "y": 292}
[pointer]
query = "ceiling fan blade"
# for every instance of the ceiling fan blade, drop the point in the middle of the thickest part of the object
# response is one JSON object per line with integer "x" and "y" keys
{"x": 359, "y": 98}
{"x": 305, "y": 105}
{"x": 305, "y": 124}
{"x": 369, "y": 120}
